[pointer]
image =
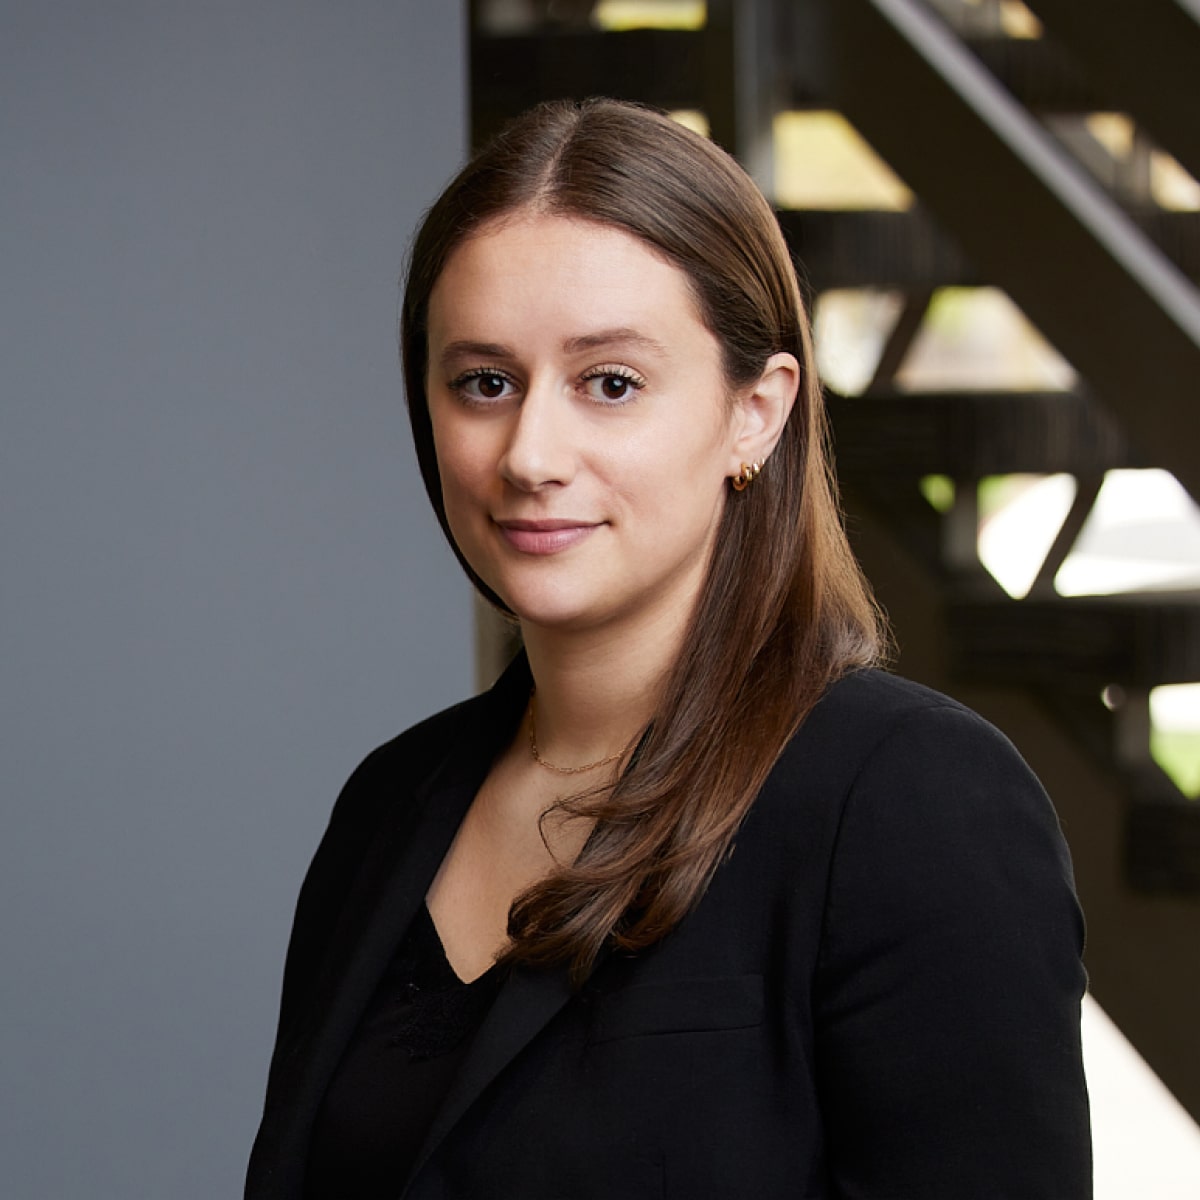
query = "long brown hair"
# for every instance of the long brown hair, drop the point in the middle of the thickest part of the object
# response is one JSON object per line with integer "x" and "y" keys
{"x": 784, "y": 609}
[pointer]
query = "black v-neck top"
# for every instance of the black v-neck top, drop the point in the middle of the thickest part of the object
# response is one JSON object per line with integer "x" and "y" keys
{"x": 396, "y": 1071}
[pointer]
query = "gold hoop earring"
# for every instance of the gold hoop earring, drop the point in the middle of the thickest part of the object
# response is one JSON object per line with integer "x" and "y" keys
{"x": 746, "y": 476}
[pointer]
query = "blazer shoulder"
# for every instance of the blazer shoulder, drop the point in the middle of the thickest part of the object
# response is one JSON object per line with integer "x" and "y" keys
{"x": 913, "y": 746}
{"x": 885, "y": 771}
{"x": 872, "y": 701}
{"x": 870, "y": 713}
{"x": 937, "y": 808}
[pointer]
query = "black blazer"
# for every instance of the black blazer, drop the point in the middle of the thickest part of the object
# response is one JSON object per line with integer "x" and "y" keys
{"x": 878, "y": 996}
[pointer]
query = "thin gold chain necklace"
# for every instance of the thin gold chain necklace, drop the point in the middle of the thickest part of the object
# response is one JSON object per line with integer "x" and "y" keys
{"x": 542, "y": 762}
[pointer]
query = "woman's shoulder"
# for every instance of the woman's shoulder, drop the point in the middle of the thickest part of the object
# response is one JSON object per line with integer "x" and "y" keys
{"x": 885, "y": 769}
{"x": 871, "y": 717}
{"x": 873, "y": 701}
{"x": 925, "y": 796}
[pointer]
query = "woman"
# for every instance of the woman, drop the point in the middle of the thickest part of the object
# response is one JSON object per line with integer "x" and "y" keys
{"x": 694, "y": 902}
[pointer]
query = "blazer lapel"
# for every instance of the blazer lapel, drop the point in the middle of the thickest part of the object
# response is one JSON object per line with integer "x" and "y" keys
{"x": 391, "y": 887}
{"x": 527, "y": 1002}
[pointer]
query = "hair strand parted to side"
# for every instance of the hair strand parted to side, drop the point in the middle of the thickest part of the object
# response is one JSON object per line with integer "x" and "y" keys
{"x": 784, "y": 609}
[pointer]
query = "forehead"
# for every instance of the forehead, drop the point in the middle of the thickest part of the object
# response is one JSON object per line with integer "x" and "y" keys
{"x": 540, "y": 273}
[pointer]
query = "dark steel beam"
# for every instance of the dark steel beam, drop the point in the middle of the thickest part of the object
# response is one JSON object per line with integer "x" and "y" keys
{"x": 1087, "y": 491}
{"x": 900, "y": 340}
{"x": 1029, "y": 219}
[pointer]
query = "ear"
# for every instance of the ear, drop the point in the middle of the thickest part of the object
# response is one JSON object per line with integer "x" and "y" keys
{"x": 762, "y": 410}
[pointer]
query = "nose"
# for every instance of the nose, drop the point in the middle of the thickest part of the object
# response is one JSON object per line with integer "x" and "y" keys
{"x": 540, "y": 450}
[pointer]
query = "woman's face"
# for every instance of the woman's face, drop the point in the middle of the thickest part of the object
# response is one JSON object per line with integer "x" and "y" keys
{"x": 582, "y": 424}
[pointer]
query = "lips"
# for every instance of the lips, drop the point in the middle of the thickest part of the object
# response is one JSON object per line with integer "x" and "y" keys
{"x": 546, "y": 536}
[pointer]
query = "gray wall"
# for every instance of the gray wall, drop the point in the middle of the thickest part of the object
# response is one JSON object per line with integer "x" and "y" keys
{"x": 219, "y": 580}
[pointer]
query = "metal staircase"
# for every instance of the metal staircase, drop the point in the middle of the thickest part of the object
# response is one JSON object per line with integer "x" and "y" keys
{"x": 1012, "y": 192}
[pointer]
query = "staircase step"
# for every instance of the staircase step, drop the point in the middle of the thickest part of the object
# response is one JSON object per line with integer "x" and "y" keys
{"x": 849, "y": 248}
{"x": 864, "y": 248}
{"x": 968, "y": 435}
{"x": 1138, "y": 641}
{"x": 1040, "y": 75}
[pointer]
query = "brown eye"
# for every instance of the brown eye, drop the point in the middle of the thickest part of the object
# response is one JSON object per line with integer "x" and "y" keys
{"x": 479, "y": 386}
{"x": 491, "y": 387}
{"x": 611, "y": 387}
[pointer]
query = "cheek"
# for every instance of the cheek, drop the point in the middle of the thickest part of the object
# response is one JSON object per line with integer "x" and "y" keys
{"x": 680, "y": 464}
{"x": 456, "y": 500}
{"x": 464, "y": 506}
{"x": 461, "y": 496}
{"x": 457, "y": 459}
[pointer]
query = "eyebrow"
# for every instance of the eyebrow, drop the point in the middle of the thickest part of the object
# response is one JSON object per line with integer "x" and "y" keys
{"x": 622, "y": 336}
{"x": 469, "y": 349}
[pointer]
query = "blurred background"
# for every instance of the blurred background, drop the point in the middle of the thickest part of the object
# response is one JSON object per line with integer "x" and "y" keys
{"x": 222, "y": 586}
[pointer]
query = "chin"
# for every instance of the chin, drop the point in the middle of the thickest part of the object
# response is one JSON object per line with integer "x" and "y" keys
{"x": 565, "y": 618}
{"x": 561, "y": 613}
{"x": 535, "y": 595}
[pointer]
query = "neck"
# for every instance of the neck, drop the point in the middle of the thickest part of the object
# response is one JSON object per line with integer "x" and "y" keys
{"x": 595, "y": 693}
